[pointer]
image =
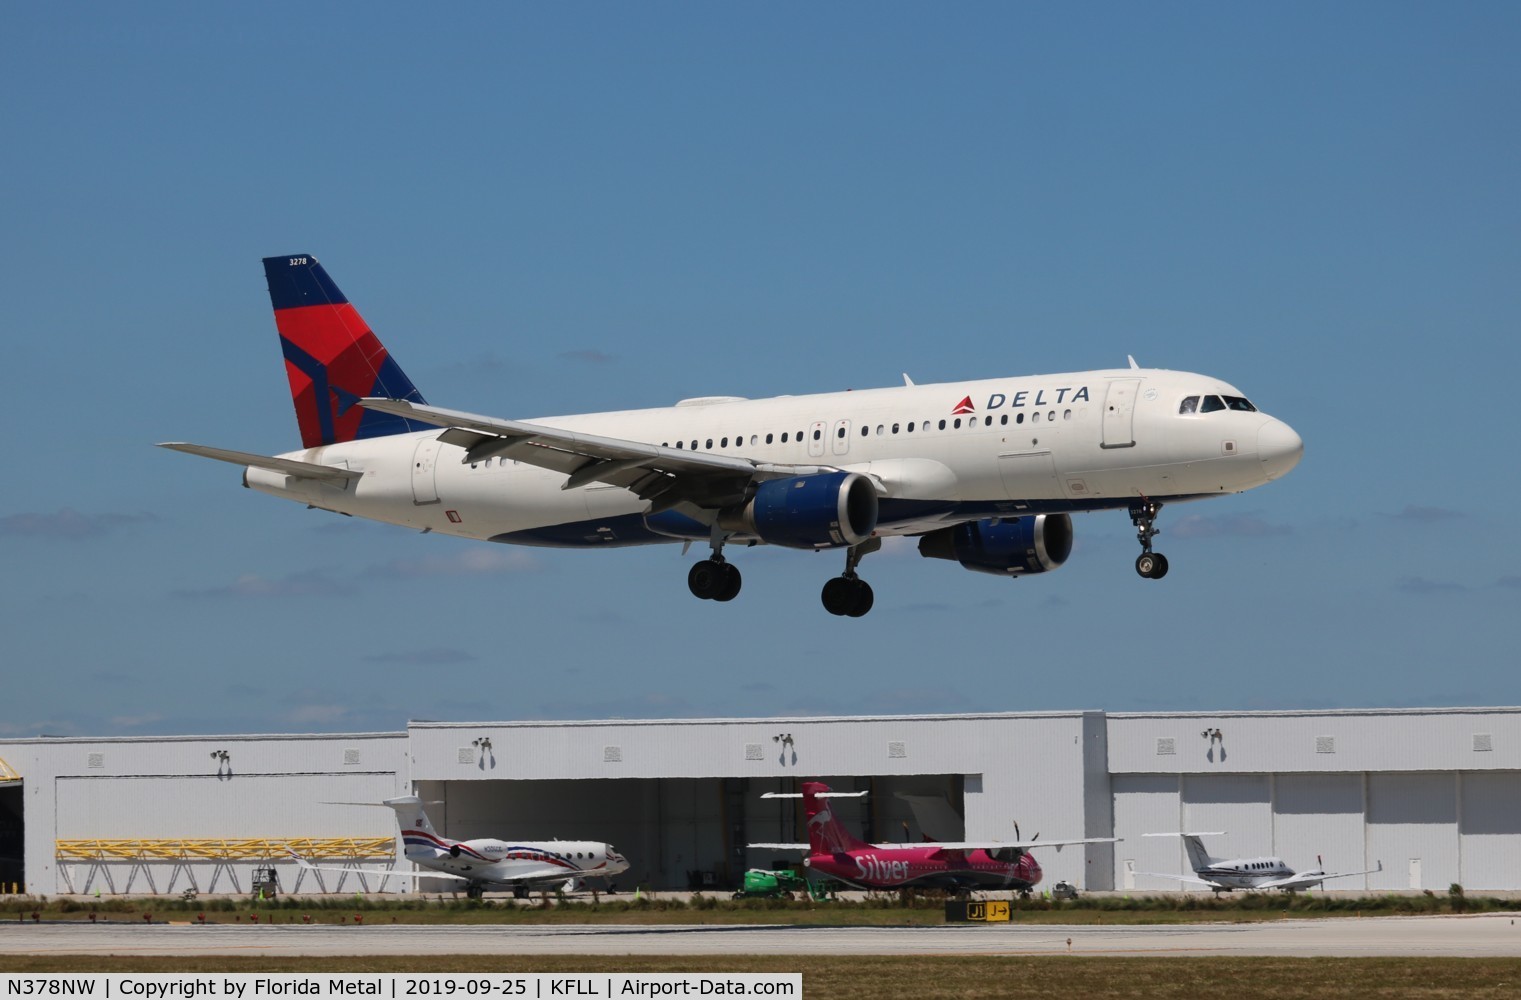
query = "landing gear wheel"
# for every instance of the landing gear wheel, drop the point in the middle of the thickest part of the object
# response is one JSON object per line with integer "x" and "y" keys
{"x": 1151, "y": 565}
{"x": 731, "y": 583}
{"x": 707, "y": 579}
{"x": 474, "y": 892}
{"x": 520, "y": 892}
{"x": 864, "y": 599}
{"x": 837, "y": 596}
{"x": 847, "y": 596}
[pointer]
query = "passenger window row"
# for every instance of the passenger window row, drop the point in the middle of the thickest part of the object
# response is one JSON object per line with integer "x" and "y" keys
{"x": 882, "y": 430}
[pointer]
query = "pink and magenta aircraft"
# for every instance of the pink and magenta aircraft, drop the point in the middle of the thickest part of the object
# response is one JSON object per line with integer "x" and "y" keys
{"x": 834, "y": 852}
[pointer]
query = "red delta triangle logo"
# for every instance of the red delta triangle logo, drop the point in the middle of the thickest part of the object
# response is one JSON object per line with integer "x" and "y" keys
{"x": 965, "y": 406}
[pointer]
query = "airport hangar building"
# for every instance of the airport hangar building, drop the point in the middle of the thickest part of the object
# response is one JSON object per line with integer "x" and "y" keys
{"x": 1432, "y": 794}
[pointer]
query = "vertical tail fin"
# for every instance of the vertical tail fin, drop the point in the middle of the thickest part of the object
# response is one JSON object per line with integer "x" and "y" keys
{"x": 332, "y": 358}
{"x": 417, "y": 833}
{"x": 1198, "y": 857}
{"x": 826, "y": 835}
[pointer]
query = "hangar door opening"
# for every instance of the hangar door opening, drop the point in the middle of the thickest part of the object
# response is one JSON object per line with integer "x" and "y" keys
{"x": 12, "y": 870}
{"x": 689, "y": 834}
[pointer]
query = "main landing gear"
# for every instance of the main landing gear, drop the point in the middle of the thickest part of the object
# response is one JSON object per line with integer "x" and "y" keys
{"x": 848, "y": 594}
{"x": 714, "y": 579}
{"x": 1151, "y": 565}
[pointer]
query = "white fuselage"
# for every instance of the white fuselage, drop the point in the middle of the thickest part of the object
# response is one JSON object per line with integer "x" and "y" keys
{"x": 939, "y": 454}
{"x": 511, "y": 861}
{"x": 1245, "y": 873}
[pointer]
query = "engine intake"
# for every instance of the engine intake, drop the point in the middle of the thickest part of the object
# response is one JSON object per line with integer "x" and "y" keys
{"x": 808, "y": 512}
{"x": 1004, "y": 546}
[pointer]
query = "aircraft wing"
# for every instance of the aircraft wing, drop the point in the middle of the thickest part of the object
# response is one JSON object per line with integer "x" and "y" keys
{"x": 1308, "y": 880}
{"x": 663, "y": 476}
{"x": 999, "y": 845}
{"x": 298, "y": 859}
{"x": 969, "y": 845}
{"x": 290, "y": 467}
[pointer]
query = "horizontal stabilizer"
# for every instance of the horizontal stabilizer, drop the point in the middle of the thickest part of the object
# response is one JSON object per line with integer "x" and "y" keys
{"x": 1217, "y": 833}
{"x": 289, "y": 466}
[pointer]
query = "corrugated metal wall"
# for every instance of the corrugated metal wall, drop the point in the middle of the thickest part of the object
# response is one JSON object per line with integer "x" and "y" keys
{"x": 1320, "y": 815}
{"x": 1491, "y": 830}
{"x": 1413, "y": 830}
{"x": 1147, "y": 803}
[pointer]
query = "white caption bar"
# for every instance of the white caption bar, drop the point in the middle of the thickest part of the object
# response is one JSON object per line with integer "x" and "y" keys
{"x": 400, "y": 986}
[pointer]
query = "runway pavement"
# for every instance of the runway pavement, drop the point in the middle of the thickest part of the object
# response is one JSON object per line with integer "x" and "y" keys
{"x": 1488, "y": 935}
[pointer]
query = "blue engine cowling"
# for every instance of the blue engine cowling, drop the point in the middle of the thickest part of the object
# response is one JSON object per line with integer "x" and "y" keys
{"x": 1004, "y": 546}
{"x": 809, "y": 512}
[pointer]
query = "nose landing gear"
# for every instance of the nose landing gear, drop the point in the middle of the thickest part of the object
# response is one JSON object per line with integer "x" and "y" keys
{"x": 848, "y": 594}
{"x": 1149, "y": 564}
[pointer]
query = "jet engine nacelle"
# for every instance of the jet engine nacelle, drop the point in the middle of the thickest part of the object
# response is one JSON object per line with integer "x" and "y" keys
{"x": 1004, "y": 546}
{"x": 808, "y": 512}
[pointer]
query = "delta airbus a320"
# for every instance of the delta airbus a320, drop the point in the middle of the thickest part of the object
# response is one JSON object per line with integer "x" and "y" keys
{"x": 986, "y": 473}
{"x": 835, "y": 853}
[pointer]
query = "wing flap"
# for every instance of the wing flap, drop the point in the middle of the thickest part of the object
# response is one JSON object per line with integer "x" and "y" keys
{"x": 700, "y": 477}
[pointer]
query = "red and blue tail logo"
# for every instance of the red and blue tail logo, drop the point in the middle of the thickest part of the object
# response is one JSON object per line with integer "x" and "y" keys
{"x": 332, "y": 358}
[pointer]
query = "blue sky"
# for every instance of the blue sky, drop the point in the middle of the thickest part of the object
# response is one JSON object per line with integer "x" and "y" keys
{"x": 572, "y": 207}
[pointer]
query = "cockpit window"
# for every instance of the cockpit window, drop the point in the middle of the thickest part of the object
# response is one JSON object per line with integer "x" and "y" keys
{"x": 1240, "y": 403}
{"x": 1189, "y": 405}
{"x": 1211, "y": 404}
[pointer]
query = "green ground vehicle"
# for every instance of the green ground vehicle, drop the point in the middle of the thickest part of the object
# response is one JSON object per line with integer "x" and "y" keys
{"x": 784, "y": 884}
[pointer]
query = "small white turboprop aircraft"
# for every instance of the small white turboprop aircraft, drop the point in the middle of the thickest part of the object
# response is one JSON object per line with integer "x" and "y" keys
{"x": 483, "y": 862}
{"x": 1223, "y": 875}
{"x": 986, "y": 473}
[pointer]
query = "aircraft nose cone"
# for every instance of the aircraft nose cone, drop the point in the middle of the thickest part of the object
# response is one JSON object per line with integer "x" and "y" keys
{"x": 1279, "y": 448}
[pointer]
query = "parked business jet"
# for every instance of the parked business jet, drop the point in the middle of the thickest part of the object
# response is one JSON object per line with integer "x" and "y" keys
{"x": 986, "y": 473}
{"x": 1224, "y": 875}
{"x": 484, "y": 863}
{"x": 834, "y": 852}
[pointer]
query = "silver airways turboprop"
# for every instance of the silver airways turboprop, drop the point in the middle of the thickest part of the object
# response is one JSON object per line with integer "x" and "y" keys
{"x": 984, "y": 473}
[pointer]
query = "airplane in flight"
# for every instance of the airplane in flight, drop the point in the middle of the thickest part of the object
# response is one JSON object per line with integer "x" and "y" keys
{"x": 985, "y": 473}
{"x": 956, "y": 866}
{"x": 483, "y": 862}
{"x": 1224, "y": 875}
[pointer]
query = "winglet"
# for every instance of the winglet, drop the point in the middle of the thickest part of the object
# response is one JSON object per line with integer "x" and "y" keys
{"x": 907, "y": 380}
{"x": 1131, "y": 359}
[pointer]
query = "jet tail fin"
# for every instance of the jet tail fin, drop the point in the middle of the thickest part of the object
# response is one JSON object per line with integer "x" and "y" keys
{"x": 416, "y": 829}
{"x": 332, "y": 357}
